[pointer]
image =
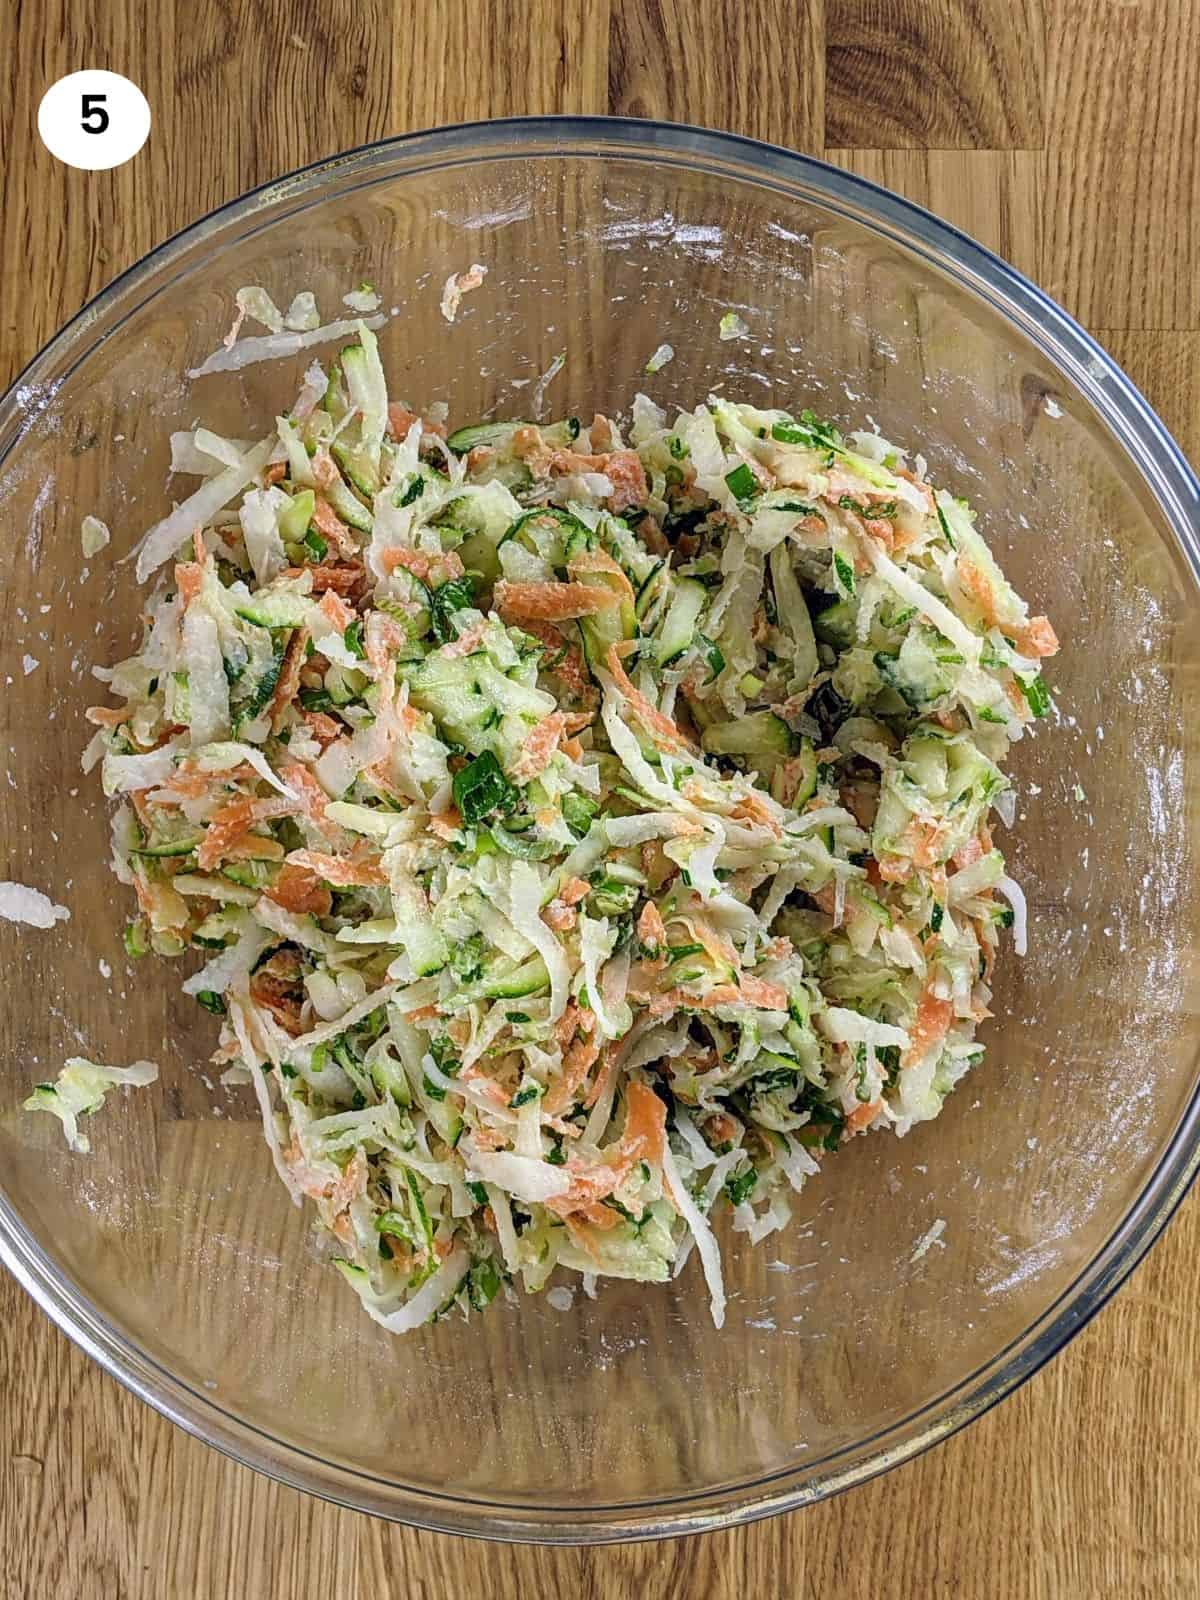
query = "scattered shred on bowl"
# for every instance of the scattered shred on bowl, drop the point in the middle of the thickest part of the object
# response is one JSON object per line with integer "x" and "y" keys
{"x": 459, "y": 284}
{"x": 80, "y": 1090}
{"x": 932, "y": 1237}
{"x": 543, "y": 383}
{"x": 302, "y": 315}
{"x": 275, "y": 346}
{"x": 364, "y": 299}
{"x": 19, "y": 903}
{"x": 93, "y": 535}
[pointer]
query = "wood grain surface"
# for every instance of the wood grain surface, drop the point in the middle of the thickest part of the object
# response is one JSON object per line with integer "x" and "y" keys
{"x": 1064, "y": 133}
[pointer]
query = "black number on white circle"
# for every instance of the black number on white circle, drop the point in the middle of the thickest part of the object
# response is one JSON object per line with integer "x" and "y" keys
{"x": 94, "y": 117}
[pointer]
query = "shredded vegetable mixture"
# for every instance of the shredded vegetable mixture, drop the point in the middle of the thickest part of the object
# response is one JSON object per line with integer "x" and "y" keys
{"x": 583, "y": 832}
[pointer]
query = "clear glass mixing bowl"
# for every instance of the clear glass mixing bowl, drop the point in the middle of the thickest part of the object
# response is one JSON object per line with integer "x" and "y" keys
{"x": 171, "y": 1253}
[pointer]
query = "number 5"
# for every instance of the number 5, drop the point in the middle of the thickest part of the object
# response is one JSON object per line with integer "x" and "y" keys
{"x": 93, "y": 107}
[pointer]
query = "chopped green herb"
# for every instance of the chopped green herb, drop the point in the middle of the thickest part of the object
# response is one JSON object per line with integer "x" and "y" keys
{"x": 445, "y": 1056}
{"x": 825, "y": 1130}
{"x": 446, "y": 599}
{"x": 791, "y": 433}
{"x": 811, "y": 432}
{"x": 743, "y": 485}
{"x": 483, "y": 1283}
{"x": 481, "y": 788}
{"x": 800, "y": 507}
{"x": 578, "y": 812}
{"x": 739, "y": 1186}
{"x": 1037, "y": 694}
{"x": 883, "y": 508}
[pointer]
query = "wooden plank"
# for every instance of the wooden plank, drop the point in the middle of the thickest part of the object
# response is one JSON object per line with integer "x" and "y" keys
{"x": 1115, "y": 1509}
{"x": 499, "y": 59}
{"x": 69, "y": 1445}
{"x": 931, "y": 74}
{"x": 994, "y": 195}
{"x": 273, "y": 1541}
{"x": 750, "y": 69}
{"x": 1122, "y": 248}
{"x": 54, "y": 256}
{"x": 263, "y": 89}
{"x": 1166, "y": 367}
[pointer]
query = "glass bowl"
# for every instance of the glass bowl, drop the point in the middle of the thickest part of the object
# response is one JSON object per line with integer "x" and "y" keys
{"x": 172, "y": 1254}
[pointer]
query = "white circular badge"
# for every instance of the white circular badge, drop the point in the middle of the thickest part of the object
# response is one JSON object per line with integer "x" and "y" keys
{"x": 93, "y": 120}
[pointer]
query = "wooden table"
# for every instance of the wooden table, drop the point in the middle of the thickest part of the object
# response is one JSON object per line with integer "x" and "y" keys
{"x": 1063, "y": 133}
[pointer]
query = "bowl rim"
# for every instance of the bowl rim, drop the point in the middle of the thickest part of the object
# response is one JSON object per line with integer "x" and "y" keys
{"x": 1135, "y": 426}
